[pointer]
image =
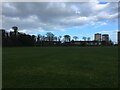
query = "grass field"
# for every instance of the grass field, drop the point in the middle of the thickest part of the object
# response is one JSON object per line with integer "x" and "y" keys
{"x": 60, "y": 67}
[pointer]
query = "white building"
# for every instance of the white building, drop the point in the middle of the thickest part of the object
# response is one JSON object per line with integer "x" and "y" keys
{"x": 105, "y": 37}
{"x": 97, "y": 37}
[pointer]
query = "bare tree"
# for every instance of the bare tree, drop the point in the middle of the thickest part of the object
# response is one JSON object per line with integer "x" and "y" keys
{"x": 50, "y": 36}
{"x": 38, "y": 38}
{"x": 84, "y": 38}
{"x": 59, "y": 38}
{"x": 43, "y": 38}
{"x": 75, "y": 38}
{"x": 67, "y": 38}
{"x": 55, "y": 38}
{"x": 88, "y": 38}
{"x": 15, "y": 28}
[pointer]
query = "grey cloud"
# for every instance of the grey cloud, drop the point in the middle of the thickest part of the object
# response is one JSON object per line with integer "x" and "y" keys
{"x": 53, "y": 16}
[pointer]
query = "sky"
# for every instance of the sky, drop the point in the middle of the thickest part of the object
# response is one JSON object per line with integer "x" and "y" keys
{"x": 82, "y": 19}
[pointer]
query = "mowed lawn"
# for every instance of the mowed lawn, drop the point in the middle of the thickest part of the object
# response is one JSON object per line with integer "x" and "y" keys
{"x": 60, "y": 67}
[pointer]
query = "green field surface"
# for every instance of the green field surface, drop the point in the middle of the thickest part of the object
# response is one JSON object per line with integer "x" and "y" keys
{"x": 60, "y": 67}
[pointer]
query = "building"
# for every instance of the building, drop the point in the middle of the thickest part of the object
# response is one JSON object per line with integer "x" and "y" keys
{"x": 105, "y": 37}
{"x": 119, "y": 37}
{"x": 85, "y": 43}
{"x": 97, "y": 37}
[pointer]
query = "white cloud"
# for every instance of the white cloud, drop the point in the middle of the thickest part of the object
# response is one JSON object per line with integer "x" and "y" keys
{"x": 56, "y": 16}
{"x": 23, "y": 31}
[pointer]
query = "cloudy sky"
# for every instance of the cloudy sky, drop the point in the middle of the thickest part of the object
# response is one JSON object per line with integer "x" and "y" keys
{"x": 73, "y": 18}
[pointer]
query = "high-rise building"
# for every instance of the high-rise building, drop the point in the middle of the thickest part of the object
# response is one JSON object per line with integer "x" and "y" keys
{"x": 119, "y": 37}
{"x": 105, "y": 37}
{"x": 97, "y": 37}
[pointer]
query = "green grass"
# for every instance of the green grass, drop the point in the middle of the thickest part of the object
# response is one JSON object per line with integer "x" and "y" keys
{"x": 60, "y": 67}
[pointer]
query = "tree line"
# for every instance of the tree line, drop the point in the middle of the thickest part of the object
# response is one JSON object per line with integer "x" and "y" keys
{"x": 16, "y": 38}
